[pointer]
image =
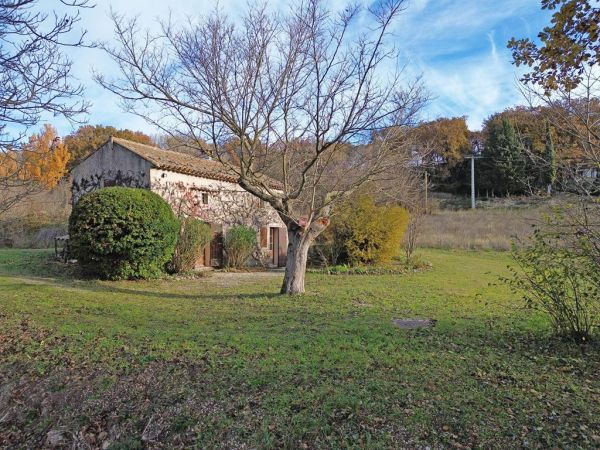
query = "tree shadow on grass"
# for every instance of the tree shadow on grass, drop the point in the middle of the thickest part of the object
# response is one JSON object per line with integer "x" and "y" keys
{"x": 94, "y": 285}
{"x": 101, "y": 288}
{"x": 509, "y": 342}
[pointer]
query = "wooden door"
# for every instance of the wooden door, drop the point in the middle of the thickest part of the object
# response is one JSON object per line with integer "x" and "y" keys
{"x": 274, "y": 245}
{"x": 283, "y": 244}
{"x": 216, "y": 246}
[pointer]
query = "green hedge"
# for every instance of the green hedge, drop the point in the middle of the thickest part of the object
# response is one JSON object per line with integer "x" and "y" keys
{"x": 123, "y": 233}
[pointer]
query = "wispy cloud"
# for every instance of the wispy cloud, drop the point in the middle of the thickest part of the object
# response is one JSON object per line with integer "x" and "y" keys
{"x": 458, "y": 46}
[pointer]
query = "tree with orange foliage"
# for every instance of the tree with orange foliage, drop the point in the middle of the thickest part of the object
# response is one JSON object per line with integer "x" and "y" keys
{"x": 36, "y": 166}
{"x": 88, "y": 138}
{"x": 45, "y": 158}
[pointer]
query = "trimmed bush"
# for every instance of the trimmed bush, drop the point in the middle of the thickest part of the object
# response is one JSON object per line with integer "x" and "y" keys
{"x": 363, "y": 233}
{"x": 123, "y": 233}
{"x": 240, "y": 242}
{"x": 194, "y": 235}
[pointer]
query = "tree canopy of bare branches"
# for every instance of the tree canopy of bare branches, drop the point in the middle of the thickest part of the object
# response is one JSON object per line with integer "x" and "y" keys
{"x": 298, "y": 94}
{"x": 34, "y": 79}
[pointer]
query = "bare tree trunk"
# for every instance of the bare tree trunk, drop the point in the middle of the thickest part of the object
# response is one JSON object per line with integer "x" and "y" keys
{"x": 295, "y": 266}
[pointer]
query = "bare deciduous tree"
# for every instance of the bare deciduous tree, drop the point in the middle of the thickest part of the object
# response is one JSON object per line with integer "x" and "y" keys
{"x": 301, "y": 95}
{"x": 34, "y": 79}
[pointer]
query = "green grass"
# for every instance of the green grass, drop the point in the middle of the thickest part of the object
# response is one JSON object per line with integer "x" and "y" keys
{"x": 226, "y": 362}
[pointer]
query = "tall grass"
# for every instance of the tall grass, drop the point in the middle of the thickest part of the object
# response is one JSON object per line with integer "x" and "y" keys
{"x": 485, "y": 229}
{"x": 37, "y": 219}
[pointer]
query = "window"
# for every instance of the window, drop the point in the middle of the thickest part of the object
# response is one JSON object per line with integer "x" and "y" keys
{"x": 205, "y": 198}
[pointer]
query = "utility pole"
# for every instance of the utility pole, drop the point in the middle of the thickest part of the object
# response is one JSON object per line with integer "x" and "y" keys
{"x": 473, "y": 182}
{"x": 426, "y": 192}
{"x": 472, "y": 158}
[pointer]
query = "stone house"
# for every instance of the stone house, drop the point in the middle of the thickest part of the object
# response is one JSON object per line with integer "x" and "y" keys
{"x": 193, "y": 186}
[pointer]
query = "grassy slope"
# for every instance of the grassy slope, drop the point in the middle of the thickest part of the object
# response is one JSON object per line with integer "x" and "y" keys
{"x": 217, "y": 364}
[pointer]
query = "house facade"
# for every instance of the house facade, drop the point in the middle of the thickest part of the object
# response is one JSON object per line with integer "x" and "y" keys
{"x": 193, "y": 187}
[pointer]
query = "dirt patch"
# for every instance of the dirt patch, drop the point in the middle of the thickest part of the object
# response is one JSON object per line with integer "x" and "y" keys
{"x": 414, "y": 323}
{"x": 235, "y": 278}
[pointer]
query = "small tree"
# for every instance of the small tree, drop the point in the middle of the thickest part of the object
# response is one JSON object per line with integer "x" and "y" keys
{"x": 549, "y": 161}
{"x": 121, "y": 233}
{"x": 239, "y": 243}
{"x": 412, "y": 234}
{"x": 559, "y": 277}
{"x": 194, "y": 235}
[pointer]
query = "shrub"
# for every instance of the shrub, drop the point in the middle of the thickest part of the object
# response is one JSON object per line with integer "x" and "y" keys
{"x": 558, "y": 275}
{"x": 194, "y": 235}
{"x": 239, "y": 243}
{"x": 123, "y": 233}
{"x": 412, "y": 233}
{"x": 363, "y": 233}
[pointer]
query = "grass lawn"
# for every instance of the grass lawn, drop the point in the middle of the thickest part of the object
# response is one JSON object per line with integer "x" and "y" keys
{"x": 226, "y": 362}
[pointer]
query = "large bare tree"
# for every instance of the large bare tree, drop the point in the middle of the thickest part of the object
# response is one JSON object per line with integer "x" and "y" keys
{"x": 304, "y": 94}
{"x": 35, "y": 79}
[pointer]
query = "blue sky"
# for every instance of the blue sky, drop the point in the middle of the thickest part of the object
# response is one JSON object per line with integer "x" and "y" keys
{"x": 459, "y": 47}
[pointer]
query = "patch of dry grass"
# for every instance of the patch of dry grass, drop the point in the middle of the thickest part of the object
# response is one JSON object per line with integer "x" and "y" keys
{"x": 37, "y": 219}
{"x": 489, "y": 229}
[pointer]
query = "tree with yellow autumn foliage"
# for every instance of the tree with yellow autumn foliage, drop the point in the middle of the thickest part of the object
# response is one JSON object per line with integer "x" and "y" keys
{"x": 363, "y": 232}
{"x": 45, "y": 158}
{"x": 32, "y": 167}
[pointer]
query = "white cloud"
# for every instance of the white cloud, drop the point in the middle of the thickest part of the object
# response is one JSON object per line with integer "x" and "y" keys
{"x": 458, "y": 46}
{"x": 474, "y": 86}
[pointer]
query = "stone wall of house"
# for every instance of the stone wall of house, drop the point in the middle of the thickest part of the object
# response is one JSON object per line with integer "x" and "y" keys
{"x": 222, "y": 203}
{"x": 211, "y": 200}
{"x": 111, "y": 165}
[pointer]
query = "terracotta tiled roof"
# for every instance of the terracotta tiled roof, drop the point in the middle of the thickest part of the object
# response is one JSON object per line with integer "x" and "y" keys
{"x": 178, "y": 162}
{"x": 184, "y": 163}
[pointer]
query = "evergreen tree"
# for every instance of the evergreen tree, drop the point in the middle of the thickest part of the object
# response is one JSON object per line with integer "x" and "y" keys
{"x": 511, "y": 160}
{"x": 488, "y": 175}
{"x": 504, "y": 168}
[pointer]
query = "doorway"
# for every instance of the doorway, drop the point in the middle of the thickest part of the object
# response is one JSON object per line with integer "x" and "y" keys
{"x": 274, "y": 245}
